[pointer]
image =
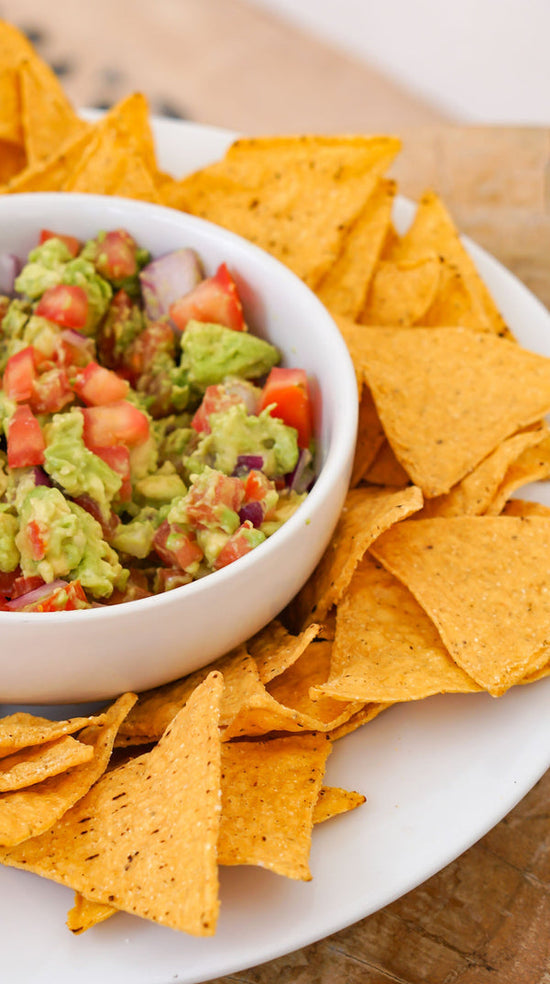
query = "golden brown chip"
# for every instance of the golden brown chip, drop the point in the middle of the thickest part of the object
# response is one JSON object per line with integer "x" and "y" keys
{"x": 370, "y": 438}
{"x": 144, "y": 837}
{"x": 11, "y": 130}
{"x": 448, "y": 396}
{"x": 20, "y": 730}
{"x": 32, "y": 765}
{"x": 401, "y": 292}
{"x": 523, "y": 507}
{"x": 344, "y": 286}
{"x": 368, "y": 713}
{"x": 27, "y": 813}
{"x": 48, "y": 117}
{"x": 296, "y": 197}
{"x": 532, "y": 465}
{"x": 387, "y": 649}
{"x": 483, "y": 489}
{"x": 333, "y": 800}
{"x": 274, "y": 648}
{"x": 366, "y": 513}
{"x": 479, "y": 578}
{"x": 434, "y": 229}
{"x": 269, "y": 792}
{"x": 85, "y": 914}
{"x": 386, "y": 470}
{"x": 50, "y": 173}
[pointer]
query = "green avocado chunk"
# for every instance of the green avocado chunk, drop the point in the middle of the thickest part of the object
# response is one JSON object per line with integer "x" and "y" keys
{"x": 211, "y": 352}
{"x": 69, "y": 462}
{"x": 234, "y": 433}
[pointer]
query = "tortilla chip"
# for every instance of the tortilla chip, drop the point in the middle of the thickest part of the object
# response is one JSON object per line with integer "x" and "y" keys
{"x": 168, "y": 802}
{"x": 344, "y": 287}
{"x": 296, "y": 197}
{"x": 478, "y": 578}
{"x": 12, "y": 161}
{"x": 386, "y": 470}
{"x": 47, "y": 115}
{"x": 523, "y": 507}
{"x": 274, "y": 648}
{"x": 368, "y": 713}
{"x": 433, "y": 229}
{"x": 21, "y": 730}
{"x": 269, "y": 793}
{"x": 111, "y": 166}
{"x": 27, "y": 813}
{"x": 448, "y": 396}
{"x": 386, "y": 648}
{"x": 477, "y": 492}
{"x": 32, "y": 765}
{"x": 370, "y": 438}
{"x": 452, "y": 303}
{"x": 293, "y": 689}
{"x": 85, "y": 914}
{"x": 532, "y": 465}
{"x": 333, "y": 801}
{"x": 11, "y": 129}
{"x": 366, "y": 513}
{"x": 401, "y": 292}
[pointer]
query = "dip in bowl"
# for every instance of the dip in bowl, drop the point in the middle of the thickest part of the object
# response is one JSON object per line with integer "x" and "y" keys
{"x": 97, "y": 652}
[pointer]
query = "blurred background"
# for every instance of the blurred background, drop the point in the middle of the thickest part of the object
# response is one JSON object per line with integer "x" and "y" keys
{"x": 290, "y": 65}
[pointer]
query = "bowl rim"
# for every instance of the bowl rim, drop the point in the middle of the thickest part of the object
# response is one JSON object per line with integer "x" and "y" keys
{"x": 339, "y": 454}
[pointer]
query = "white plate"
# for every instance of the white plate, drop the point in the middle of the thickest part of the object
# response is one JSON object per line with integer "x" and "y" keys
{"x": 437, "y": 774}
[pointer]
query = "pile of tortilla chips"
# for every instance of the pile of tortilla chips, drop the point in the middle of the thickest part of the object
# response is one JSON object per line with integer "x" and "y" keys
{"x": 435, "y": 581}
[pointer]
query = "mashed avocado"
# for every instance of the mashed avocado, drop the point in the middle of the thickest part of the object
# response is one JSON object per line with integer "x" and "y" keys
{"x": 68, "y": 461}
{"x": 235, "y": 432}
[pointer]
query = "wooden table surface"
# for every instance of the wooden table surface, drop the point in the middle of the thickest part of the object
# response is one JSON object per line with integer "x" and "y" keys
{"x": 485, "y": 917}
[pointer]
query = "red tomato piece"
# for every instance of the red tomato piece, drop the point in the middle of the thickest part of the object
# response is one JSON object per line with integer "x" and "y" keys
{"x": 236, "y": 546}
{"x": 71, "y": 242}
{"x": 19, "y": 375}
{"x": 215, "y": 399}
{"x": 118, "y": 458}
{"x": 215, "y": 299}
{"x": 26, "y": 443}
{"x": 176, "y": 547}
{"x": 65, "y": 305}
{"x": 37, "y": 539}
{"x": 22, "y": 585}
{"x": 51, "y": 391}
{"x": 288, "y": 390}
{"x": 96, "y": 385}
{"x": 168, "y": 578}
{"x": 8, "y": 580}
{"x": 115, "y": 256}
{"x": 114, "y": 423}
{"x": 205, "y": 505}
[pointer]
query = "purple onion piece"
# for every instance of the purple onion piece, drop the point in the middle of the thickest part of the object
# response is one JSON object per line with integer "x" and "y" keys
{"x": 165, "y": 280}
{"x": 10, "y": 267}
{"x": 301, "y": 479}
{"x": 37, "y": 594}
{"x": 247, "y": 463}
{"x": 41, "y": 477}
{"x": 252, "y": 511}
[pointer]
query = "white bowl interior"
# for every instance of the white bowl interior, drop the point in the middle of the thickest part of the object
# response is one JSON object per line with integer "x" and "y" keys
{"x": 73, "y": 656}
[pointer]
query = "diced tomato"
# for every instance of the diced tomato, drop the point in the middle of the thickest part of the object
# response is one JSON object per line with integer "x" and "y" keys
{"x": 216, "y": 399}
{"x": 114, "y": 423}
{"x": 168, "y": 578}
{"x": 115, "y": 256}
{"x": 37, "y": 540}
{"x": 26, "y": 444}
{"x": 120, "y": 311}
{"x": 96, "y": 385}
{"x": 136, "y": 588}
{"x": 8, "y": 581}
{"x": 236, "y": 546}
{"x": 215, "y": 299}
{"x": 22, "y": 585}
{"x": 74, "y": 348}
{"x": 51, "y": 391}
{"x": 118, "y": 458}
{"x": 20, "y": 374}
{"x": 256, "y": 486}
{"x": 176, "y": 547}
{"x": 141, "y": 354}
{"x": 65, "y": 305}
{"x": 66, "y": 599}
{"x": 205, "y": 504}
{"x": 288, "y": 390}
{"x": 71, "y": 242}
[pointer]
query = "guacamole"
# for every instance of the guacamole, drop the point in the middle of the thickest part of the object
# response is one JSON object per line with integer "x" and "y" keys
{"x": 147, "y": 436}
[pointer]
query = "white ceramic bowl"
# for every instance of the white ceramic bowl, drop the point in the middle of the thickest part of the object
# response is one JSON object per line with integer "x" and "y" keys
{"x": 98, "y": 653}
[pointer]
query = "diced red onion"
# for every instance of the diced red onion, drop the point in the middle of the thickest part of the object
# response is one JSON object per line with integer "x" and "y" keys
{"x": 10, "y": 267}
{"x": 247, "y": 463}
{"x": 92, "y": 507}
{"x": 78, "y": 340}
{"x": 41, "y": 477}
{"x": 245, "y": 391}
{"x": 37, "y": 594}
{"x": 252, "y": 511}
{"x": 165, "y": 280}
{"x": 301, "y": 479}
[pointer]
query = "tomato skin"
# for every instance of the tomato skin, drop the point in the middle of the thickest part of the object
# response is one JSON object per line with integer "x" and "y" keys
{"x": 51, "y": 391}
{"x": 288, "y": 390}
{"x": 205, "y": 506}
{"x": 66, "y": 599}
{"x": 236, "y": 546}
{"x": 71, "y": 242}
{"x": 114, "y": 423}
{"x": 96, "y": 385}
{"x": 19, "y": 375}
{"x": 115, "y": 256}
{"x": 215, "y": 300}
{"x": 26, "y": 444}
{"x": 22, "y": 585}
{"x": 175, "y": 547}
{"x": 215, "y": 399}
{"x": 65, "y": 305}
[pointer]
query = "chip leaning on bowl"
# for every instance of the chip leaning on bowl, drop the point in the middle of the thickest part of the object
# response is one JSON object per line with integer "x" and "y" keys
{"x": 434, "y": 581}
